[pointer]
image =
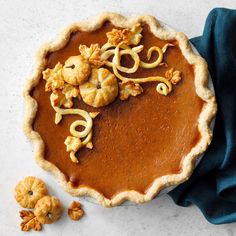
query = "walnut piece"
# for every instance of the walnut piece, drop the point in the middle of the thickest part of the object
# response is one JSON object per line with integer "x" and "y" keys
{"x": 76, "y": 70}
{"x": 54, "y": 78}
{"x": 29, "y": 190}
{"x": 173, "y": 76}
{"x": 92, "y": 54}
{"x": 75, "y": 212}
{"x": 129, "y": 88}
{"x": 29, "y": 221}
{"x": 126, "y": 36}
{"x": 101, "y": 88}
{"x": 48, "y": 209}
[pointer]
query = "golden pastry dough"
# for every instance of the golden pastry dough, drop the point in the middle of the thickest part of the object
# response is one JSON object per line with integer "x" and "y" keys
{"x": 125, "y": 36}
{"x": 129, "y": 88}
{"x": 92, "y": 54}
{"x": 74, "y": 143}
{"x": 101, "y": 89}
{"x": 29, "y": 190}
{"x": 174, "y": 76}
{"x": 76, "y": 70}
{"x": 48, "y": 209}
{"x": 54, "y": 78}
{"x": 65, "y": 97}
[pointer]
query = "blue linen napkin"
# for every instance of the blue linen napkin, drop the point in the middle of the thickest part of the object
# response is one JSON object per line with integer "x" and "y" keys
{"x": 212, "y": 187}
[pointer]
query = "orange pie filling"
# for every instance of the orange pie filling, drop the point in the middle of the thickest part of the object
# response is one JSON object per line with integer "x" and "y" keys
{"x": 137, "y": 135}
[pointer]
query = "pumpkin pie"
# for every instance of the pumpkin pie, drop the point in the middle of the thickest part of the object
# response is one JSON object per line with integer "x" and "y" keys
{"x": 119, "y": 108}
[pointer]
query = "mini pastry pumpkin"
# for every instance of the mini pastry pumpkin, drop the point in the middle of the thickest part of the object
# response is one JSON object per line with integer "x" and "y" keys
{"x": 76, "y": 70}
{"x": 29, "y": 190}
{"x": 48, "y": 209}
{"x": 101, "y": 88}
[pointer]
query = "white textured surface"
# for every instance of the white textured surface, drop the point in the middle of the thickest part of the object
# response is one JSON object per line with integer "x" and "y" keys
{"x": 24, "y": 26}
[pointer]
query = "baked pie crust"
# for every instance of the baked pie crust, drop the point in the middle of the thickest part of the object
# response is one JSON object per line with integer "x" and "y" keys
{"x": 201, "y": 87}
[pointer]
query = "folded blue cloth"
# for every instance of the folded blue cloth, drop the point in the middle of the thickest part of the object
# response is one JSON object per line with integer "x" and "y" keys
{"x": 212, "y": 186}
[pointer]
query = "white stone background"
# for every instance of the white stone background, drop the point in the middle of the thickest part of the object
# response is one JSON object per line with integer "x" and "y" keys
{"x": 24, "y": 26}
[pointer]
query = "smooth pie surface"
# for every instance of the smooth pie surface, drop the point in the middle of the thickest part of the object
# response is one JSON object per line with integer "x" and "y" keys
{"x": 135, "y": 141}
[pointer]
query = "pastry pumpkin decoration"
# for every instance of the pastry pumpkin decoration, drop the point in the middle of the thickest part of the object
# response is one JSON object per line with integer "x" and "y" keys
{"x": 76, "y": 70}
{"x": 48, "y": 210}
{"x": 101, "y": 88}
